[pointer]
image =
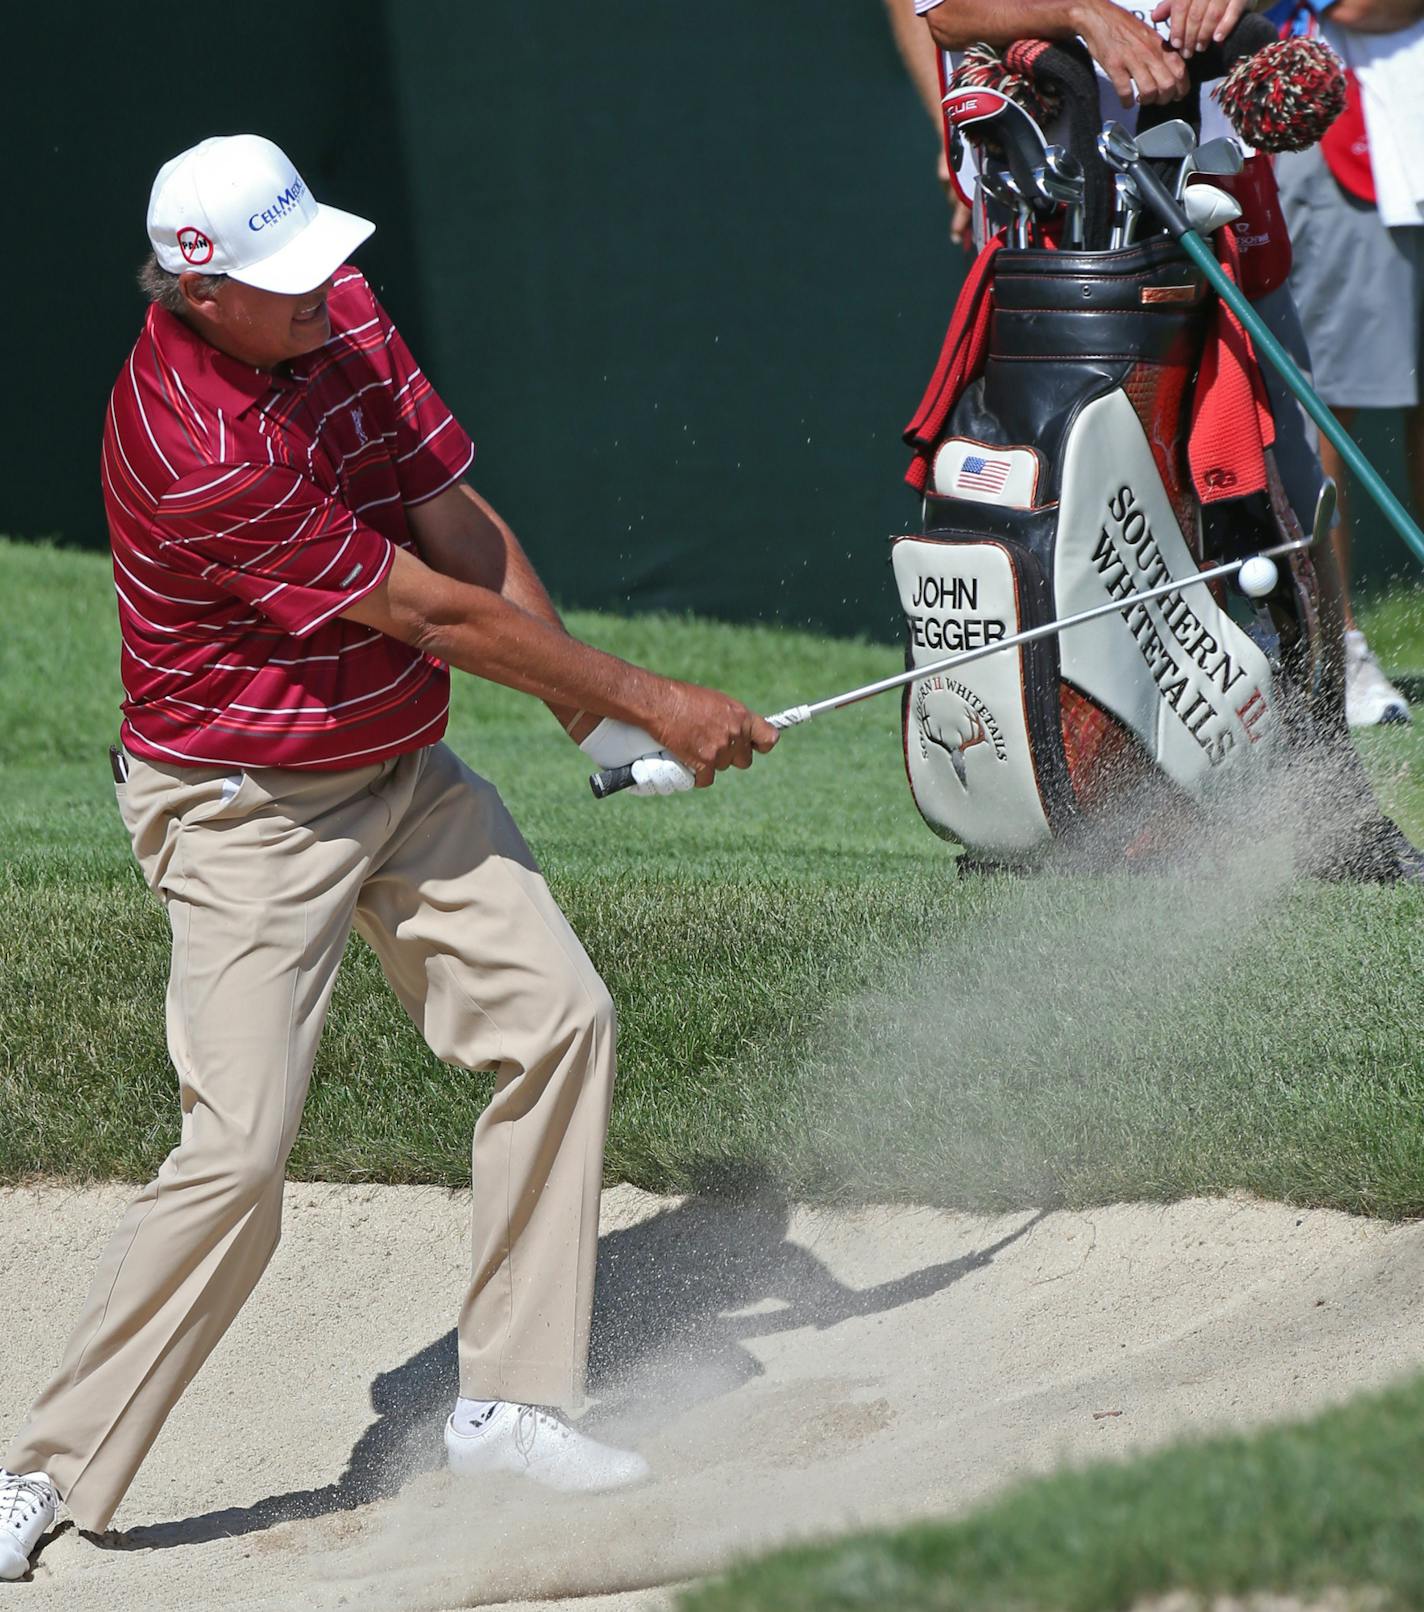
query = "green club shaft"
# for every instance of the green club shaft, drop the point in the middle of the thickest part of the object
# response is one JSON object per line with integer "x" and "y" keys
{"x": 1120, "y": 152}
{"x": 1289, "y": 371}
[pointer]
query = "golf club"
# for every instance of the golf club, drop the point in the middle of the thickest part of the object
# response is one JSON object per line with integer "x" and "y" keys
{"x": 614, "y": 779}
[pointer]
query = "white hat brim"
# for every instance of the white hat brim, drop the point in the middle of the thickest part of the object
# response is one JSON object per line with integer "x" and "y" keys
{"x": 312, "y": 257}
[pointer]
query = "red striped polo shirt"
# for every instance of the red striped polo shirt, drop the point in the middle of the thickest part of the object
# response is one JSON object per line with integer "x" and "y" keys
{"x": 247, "y": 508}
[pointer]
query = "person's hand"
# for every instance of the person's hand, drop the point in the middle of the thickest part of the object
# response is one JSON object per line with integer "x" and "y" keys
{"x": 707, "y": 730}
{"x": 1132, "y": 53}
{"x": 1196, "y": 24}
{"x": 960, "y": 218}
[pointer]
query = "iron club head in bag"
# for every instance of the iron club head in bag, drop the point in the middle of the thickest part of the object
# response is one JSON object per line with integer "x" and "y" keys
{"x": 1061, "y": 178}
{"x": 1221, "y": 158}
{"x": 999, "y": 185}
{"x": 1167, "y": 142}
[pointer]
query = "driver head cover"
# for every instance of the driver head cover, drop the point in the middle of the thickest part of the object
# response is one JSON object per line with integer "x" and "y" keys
{"x": 235, "y": 204}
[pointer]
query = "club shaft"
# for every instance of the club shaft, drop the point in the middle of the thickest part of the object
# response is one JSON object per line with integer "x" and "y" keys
{"x": 1169, "y": 210}
{"x": 613, "y": 779}
{"x": 1286, "y": 367}
{"x": 803, "y": 713}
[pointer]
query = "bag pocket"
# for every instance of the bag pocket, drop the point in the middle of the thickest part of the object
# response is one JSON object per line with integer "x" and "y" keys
{"x": 983, "y": 741}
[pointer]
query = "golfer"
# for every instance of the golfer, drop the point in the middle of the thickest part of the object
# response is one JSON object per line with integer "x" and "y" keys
{"x": 298, "y": 561}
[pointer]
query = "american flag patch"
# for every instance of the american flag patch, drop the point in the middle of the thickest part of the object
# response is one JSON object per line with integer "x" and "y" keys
{"x": 982, "y": 473}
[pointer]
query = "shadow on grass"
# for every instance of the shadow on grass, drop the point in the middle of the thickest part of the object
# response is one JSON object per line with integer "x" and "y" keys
{"x": 666, "y": 1331}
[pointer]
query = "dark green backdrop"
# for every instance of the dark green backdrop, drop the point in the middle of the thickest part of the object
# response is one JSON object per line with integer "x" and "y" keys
{"x": 680, "y": 270}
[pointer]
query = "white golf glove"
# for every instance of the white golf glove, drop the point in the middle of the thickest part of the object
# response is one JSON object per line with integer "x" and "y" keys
{"x": 615, "y": 744}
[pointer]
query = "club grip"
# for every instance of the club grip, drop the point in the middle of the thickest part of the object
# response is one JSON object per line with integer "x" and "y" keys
{"x": 611, "y": 780}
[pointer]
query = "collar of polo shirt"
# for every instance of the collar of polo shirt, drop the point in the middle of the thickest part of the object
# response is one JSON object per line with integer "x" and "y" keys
{"x": 235, "y": 204}
{"x": 212, "y": 373}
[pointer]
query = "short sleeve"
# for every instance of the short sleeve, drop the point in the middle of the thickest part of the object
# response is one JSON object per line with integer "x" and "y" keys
{"x": 432, "y": 450}
{"x": 272, "y": 538}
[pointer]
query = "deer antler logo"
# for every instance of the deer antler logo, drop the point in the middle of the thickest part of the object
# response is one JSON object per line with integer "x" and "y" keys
{"x": 978, "y": 734}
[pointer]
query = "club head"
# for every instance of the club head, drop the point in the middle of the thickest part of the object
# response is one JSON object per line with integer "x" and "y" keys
{"x": 1167, "y": 141}
{"x": 1325, "y": 501}
{"x": 1209, "y": 208}
{"x": 1117, "y": 148}
{"x": 999, "y": 186}
{"x": 1222, "y": 157}
{"x": 1064, "y": 167}
{"x": 1061, "y": 188}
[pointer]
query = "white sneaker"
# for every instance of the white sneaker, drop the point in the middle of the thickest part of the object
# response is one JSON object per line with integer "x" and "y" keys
{"x": 1370, "y": 698}
{"x": 28, "y": 1505}
{"x": 540, "y": 1444}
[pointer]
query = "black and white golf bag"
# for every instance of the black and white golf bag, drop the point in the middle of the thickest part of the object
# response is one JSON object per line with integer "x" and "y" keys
{"x": 1059, "y": 482}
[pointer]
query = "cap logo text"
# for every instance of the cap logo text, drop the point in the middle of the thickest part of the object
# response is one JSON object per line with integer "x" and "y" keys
{"x": 196, "y": 248}
{"x": 282, "y": 204}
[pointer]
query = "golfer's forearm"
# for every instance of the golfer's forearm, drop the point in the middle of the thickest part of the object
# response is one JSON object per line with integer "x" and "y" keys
{"x": 959, "y": 23}
{"x": 491, "y": 637}
{"x": 463, "y": 537}
{"x": 481, "y": 632}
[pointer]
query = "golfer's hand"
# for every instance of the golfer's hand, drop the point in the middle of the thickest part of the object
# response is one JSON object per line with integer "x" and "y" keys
{"x": 1132, "y": 53}
{"x": 1199, "y": 23}
{"x": 708, "y": 731}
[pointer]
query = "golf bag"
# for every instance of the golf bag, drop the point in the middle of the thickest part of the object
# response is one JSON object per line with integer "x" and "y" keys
{"x": 1056, "y": 477}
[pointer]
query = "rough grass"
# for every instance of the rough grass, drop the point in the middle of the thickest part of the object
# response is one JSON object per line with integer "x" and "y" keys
{"x": 1333, "y": 1504}
{"x": 809, "y": 997}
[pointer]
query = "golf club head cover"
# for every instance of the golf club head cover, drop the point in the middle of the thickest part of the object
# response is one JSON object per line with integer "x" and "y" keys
{"x": 1060, "y": 481}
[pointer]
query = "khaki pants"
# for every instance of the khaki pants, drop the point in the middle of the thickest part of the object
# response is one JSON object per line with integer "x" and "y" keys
{"x": 262, "y": 887}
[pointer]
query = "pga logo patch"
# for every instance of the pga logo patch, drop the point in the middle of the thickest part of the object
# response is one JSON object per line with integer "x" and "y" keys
{"x": 196, "y": 248}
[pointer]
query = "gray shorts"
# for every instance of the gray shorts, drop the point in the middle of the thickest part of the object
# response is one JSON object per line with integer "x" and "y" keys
{"x": 1297, "y": 443}
{"x": 1359, "y": 288}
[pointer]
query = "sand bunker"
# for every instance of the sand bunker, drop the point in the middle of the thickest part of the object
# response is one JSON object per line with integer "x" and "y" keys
{"x": 788, "y": 1374}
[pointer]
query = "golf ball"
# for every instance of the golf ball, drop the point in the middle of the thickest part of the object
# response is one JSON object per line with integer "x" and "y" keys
{"x": 1257, "y": 577}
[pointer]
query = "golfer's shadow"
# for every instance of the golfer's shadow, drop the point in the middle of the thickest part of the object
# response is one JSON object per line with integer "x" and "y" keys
{"x": 682, "y": 1294}
{"x": 671, "y": 1326}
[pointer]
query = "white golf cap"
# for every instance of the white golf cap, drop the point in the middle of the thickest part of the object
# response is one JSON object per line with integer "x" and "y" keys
{"x": 235, "y": 205}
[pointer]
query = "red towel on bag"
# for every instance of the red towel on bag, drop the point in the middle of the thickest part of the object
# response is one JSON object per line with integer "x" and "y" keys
{"x": 1231, "y": 415}
{"x": 966, "y": 346}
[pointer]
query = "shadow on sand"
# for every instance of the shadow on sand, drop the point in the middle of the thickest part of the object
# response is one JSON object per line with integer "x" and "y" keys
{"x": 673, "y": 1292}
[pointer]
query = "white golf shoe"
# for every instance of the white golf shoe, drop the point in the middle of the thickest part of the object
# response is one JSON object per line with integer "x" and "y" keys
{"x": 1371, "y": 700}
{"x": 28, "y": 1504}
{"x": 539, "y": 1444}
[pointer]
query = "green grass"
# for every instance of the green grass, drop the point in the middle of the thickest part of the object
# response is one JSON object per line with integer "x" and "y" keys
{"x": 809, "y": 997}
{"x": 1330, "y": 1504}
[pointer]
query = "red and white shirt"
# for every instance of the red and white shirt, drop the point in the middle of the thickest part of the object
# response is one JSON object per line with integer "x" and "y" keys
{"x": 247, "y": 509}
